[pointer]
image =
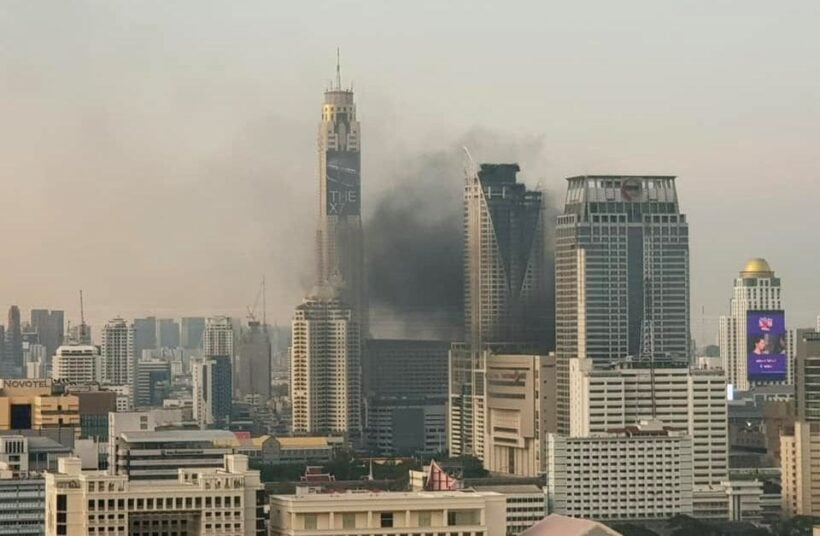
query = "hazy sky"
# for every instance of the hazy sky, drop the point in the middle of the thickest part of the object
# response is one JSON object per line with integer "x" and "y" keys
{"x": 161, "y": 155}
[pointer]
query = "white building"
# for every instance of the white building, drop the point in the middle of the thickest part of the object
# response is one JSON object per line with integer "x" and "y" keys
{"x": 207, "y": 502}
{"x": 440, "y": 513}
{"x": 526, "y": 504}
{"x": 218, "y": 339}
{"x": 22, "y": 504}
{"x": 135, "y": 421}
{"x": 689, "y": 400}
{"x": 14, "y": 453}
{"x": 755, "y": 289}
{"x": 325, "y": 356}
{"x": 520, "y": 395}
{"x": 639, "y": 472}
{"x": 118, "y": 353}
{"x": 800, "y": 470}
{"x": 77, "y": 364}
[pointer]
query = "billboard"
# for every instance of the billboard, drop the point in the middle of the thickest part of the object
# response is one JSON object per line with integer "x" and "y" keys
{"x": 343, "y": 183}
{"x": 766, "y": 338}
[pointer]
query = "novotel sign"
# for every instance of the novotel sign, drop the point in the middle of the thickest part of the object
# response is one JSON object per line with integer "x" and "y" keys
{"x": 26, "y": 384}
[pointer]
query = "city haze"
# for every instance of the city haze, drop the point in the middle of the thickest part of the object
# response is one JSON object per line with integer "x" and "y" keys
{"x": 163, "y": 156}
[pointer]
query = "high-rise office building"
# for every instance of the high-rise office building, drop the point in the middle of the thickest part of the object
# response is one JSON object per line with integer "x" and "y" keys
{"x": 77, "y": 364}
{"x": 191, "y": 330}
{"x": 153, "y": 382}
{"x": 12, "y": 365}
{"x": 325, "y": 356}
{"x": 145, "y": 335}
{"x": 253, "y": 360}
{"x": 756, "y": 299}
{"x": 807, "y": 375}
{"x": 118, "y": 353}
{"x": 50, "y": 328}
{"x": 506, "y": 291}
{"x": 213, "y": 374}
{"x": 340, "y": 236}
{"x": 621, "y": 274}
{"x": 167, "y": 333}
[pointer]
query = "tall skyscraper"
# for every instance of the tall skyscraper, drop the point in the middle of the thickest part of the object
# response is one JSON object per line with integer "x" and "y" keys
{"x": 505, "y": 291}
{"x": 12, "y": 365}
{"x": 325, "y": 354}
{"x": 191, "y": 330}
{"x": 253, "y": 359}
{"x": 50, "y": 327}
{"x": 167, "y": 333}
{"x": 756, "y": 298}
{"x": 340, "y": 236}
{"x": 145, "y": 335}
{"x": 213, "y": 376}
{"x": 621, "y": 274}
{"x": 118, "y": 353}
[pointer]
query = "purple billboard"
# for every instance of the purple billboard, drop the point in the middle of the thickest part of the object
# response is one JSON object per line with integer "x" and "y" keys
{"x": 766, "y": 336}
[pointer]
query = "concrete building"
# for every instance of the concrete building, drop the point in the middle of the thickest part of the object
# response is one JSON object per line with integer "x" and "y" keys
{"x": 153, "y": 382}
{"x": 213, "y": 374}
{"x": 208, "y": 502}
{"x": 77, "y": 364}
{"x": 32, "y": 405}
{"x": 192, "y": 330}
{"x": 520, "y": 402}
{"x": 340, "y": 237}
{"x": 253, "y": 363}
{"x": 755, "y": 289}
{"x": 11, "y": 365}
{"x": 744, "y": 500}
{"x": 621, "y": 274}
{"x": 22, "y": 505}
{"x": 800, "y": 470}
{"x": 690, "y": 400}
{"x": 612, "y": 476}
{"x": 145, "y": 336}
{"x": 145, "y": 455}
{"x": 406, "y": 396}
{"x": 506, "y": 289}
{"x": 452, "y": 513}
{"x": 325, "y": 354}
{"x": 118, "y": 353}
{"x": 807, "y": 365}
{"x": 526, "y": 504}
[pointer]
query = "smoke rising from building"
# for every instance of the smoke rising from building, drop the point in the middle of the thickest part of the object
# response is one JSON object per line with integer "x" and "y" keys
{"x": 414, "y": 235}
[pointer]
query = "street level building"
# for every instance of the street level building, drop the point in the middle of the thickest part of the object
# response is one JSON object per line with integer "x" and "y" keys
{"x": 450, "y": 513}
{"x": 208, "y": 502}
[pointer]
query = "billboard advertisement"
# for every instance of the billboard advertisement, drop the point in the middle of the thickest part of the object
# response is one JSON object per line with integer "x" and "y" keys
{"x": 766, "y": 337}
{"x": 343, "y": 183}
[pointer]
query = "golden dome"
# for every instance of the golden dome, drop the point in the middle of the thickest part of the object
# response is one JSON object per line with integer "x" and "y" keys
{"x": 757, "y": 268}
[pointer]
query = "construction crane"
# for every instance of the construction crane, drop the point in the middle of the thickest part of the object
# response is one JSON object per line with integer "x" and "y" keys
{"x": 260, "y": 296}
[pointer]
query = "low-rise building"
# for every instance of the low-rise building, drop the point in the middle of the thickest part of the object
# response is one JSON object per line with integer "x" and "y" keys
{"x": 639, "y": 472}
{"x": 451, "y": 513}
{"x": 744, "y": 500}
{"x": 301, "y": 450}
{"x": 526, "y": 504}
{"x": 208, "y": 502}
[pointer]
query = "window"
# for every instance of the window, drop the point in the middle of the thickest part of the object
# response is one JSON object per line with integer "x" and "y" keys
{"x": 387, "y": 519}
{"x": 348, "y": 521}
{"x": 425, "y": 519}
{"x": 311, "y": 521}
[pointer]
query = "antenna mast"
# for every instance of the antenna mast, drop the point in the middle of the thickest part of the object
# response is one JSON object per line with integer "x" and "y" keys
{"x": 338, "y": 70}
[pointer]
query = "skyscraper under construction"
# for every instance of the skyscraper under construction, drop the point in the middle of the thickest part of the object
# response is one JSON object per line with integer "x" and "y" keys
{"x": 340, "y": 236}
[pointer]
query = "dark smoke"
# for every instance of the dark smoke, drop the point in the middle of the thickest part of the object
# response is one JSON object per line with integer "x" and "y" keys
{"x": 414, "y": 236}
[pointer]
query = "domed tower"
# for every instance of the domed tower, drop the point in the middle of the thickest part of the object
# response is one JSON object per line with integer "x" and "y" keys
{"x": 752, "y": 337}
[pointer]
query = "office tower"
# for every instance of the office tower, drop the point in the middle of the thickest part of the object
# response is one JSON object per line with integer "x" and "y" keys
{"x": 145, "y": 335}
{"x": 405, "y": 385}
{"x": 212, "y": 374}
{"x": 506, "y": 290}
{"x": 800, "y": 469}
{"x": 77, "y": 364}
{"x": 12, "y": 364}
{"x": 691, "y": 400}
{"x": 191, "y": 330}
{"x": 340, "y": 236}
{"x": 756, "y": 312}
{"x": 253, "y": 371}
{"x": 118, "y": 353}
{"x": 23, "y": 498}
{"x": 50, "y": 328}
{"x": 153, "y": 382}
{"x": 167, "y": 333}
{"x": 621, "y": 274}
{"x": 202, "y": 501}
{"x": 325, "y": 356}
{"x": 807, "y": 367}
{"x": 520, "y": 402}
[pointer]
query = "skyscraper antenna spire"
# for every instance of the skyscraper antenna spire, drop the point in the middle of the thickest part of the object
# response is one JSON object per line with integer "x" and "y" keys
{"x": 338, "y": 70}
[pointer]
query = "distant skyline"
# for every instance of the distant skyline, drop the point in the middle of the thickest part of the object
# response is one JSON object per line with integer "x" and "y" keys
{"x": 162, "y": 156}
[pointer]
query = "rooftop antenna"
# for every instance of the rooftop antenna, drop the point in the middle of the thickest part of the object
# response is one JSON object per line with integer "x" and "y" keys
{"x": 264, "y": 306}
{"x": 338, "y": 70}
{"x": 82, "y": 309}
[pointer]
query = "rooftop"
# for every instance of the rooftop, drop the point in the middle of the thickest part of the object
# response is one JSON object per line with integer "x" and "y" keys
{"x": 757, "y": 267}
{"x": 302, "y": 442}
{"x": 555, "y": 525}
{"x": 161, "y": 436}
